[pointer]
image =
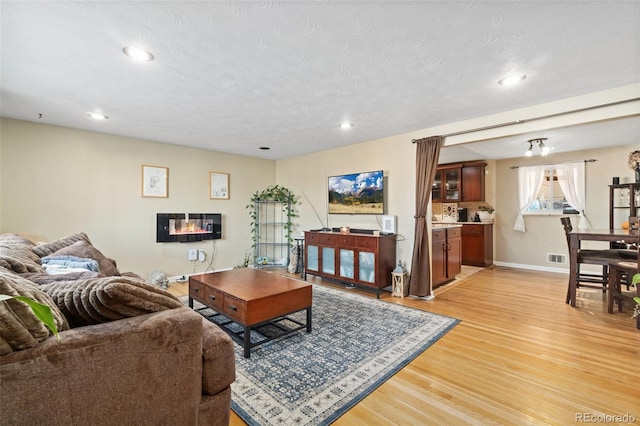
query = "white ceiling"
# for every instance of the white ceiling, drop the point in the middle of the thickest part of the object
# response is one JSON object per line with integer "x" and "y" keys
{"x": 236, "y": 75}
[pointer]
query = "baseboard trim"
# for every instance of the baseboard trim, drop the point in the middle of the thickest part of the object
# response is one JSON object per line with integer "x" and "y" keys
{"x": 176, "y": 278}
{"x": 532, "y": 267}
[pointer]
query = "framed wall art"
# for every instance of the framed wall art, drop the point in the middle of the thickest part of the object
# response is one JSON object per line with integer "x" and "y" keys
{"x": 218, "y": 186}
{"x": 155, "y": 181}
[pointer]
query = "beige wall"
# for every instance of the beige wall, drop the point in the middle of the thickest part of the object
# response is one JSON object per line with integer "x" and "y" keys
{"x": 395, "y": 156}
{"x": 57, "y": 181}
{"x": 544, "y": 234}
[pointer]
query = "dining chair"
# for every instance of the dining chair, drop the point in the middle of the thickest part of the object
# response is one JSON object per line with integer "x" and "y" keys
{"x": 590, "y": 257}
{"x": 622, "y": 271}
{"x": 593, "y": 257}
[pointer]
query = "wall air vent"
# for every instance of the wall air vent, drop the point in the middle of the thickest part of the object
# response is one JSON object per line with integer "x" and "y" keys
{"x": 556, "y": 258}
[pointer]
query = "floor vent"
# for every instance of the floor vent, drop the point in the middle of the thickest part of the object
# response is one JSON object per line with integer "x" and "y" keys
{"x": 556, "y": 258}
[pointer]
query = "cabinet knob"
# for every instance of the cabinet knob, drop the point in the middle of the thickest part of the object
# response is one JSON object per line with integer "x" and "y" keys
{"x": 232, "y": 308}
{"x": 212, "y": 297}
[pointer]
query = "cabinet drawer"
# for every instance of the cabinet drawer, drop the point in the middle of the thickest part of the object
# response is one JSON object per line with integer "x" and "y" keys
{"x": 369, "y": 243}
{"x": 196, "y": 290}
{"x": 311, "y": 238}
{"x": 439, "y": 234}
{"x": 327, "y": 239}
{"x": 454, "y": 232}
{"x": 472, "y": 229}
{"x": 346, "y": 240}
{"x": 214, "y": 298}
{"x": 235, "y": 308}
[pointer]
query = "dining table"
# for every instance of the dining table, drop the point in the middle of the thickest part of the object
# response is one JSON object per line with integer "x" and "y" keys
{"x": 575, "y": 239}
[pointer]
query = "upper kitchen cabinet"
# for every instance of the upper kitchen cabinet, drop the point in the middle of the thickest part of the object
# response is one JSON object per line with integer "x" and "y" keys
{"x": 459, "y": 182}
{"x": 446, "y": 185}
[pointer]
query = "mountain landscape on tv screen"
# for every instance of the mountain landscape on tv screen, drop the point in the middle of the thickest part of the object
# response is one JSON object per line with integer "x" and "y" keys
{"x": 359, "y": 193}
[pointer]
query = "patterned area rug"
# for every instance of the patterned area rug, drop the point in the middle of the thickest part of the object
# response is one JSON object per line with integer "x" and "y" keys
{"x": 356, "y": 344}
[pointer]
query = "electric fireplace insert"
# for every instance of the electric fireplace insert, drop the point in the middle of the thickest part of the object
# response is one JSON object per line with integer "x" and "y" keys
{"x": 188, "y": 227}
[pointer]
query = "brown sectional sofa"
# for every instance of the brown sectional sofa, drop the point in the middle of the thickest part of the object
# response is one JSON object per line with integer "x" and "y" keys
{"x": 133, "y": 355}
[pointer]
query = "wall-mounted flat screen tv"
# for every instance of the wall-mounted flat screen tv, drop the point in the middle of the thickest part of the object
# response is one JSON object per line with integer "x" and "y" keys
{"x": 188, "y": 227}
{"x": 357, "y": 193}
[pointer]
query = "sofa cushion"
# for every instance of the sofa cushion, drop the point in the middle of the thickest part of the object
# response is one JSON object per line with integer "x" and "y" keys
{"x": 19, "y": 326}
{"x": 16, "y": 254}
{"x": 85, "y": 250}
{"x": 98, "y": 300}
{"x": 45, "y": 249}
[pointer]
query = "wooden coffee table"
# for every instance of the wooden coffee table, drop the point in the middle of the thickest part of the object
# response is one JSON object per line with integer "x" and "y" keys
{"x": 253, "y": 298}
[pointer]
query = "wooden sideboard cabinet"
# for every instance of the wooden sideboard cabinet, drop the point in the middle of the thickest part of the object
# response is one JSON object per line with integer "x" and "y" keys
{"x": 446, "y": 248}
{"x": 477, "y": 244}
{"x": 360, "y": 259}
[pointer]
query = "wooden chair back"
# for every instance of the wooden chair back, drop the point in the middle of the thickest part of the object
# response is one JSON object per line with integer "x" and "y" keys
{"x": 566, "y": 223}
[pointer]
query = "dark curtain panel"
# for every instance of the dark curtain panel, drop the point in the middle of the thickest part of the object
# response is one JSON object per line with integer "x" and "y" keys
{"x": 427, "y": 153}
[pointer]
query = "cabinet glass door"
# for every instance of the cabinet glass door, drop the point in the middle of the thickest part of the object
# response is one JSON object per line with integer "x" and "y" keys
{"x": 452, "y": 184}
{"x": 328, "y": 260}
{"x": 436, "y": 188}
{"x": 312, "y": 258}
{"x": 367, "y": 267}
{"x": 347, "y": 264}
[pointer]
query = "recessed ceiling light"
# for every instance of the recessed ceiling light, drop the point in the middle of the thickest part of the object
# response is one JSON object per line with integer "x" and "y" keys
{"x": 512, "y": 79}
{"x": 346, "y": 125}
{"x": 97, "y": 116}
{"x": 264, "y": 148}
{"x": 138, "y": 54}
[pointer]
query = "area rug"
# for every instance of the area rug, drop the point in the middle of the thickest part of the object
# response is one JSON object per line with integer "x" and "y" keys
{"x": 356, "y": 344}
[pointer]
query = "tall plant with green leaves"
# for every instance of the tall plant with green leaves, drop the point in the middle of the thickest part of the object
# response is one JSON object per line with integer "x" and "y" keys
{"x": 279, "y": 194}
{"x": 636, "y": 282}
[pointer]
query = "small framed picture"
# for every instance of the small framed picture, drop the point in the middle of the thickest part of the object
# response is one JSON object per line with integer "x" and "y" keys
{"x": 218, "y": 186}
{"x": 155, "y": 181}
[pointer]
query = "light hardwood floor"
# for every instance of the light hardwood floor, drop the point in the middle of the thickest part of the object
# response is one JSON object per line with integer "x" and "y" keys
{"x": 520, "y": 355}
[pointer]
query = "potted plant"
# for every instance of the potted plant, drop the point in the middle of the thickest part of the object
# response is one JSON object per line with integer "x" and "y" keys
{"x": 485, "y": 213}
{"x": 636, "y": 310}
{"x": 278, "y": 194}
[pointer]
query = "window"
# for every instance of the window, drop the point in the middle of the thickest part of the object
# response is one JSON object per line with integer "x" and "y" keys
{"x": 550, "y": 199}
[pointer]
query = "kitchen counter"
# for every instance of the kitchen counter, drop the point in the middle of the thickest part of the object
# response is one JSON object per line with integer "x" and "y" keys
{"x": 446, "y": 225}
{"x": 441, "y": 224}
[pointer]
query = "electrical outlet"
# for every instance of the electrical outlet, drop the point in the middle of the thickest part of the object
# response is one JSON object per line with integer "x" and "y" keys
{"x": 201, "y": 255}
{"x": 193, "y": 254}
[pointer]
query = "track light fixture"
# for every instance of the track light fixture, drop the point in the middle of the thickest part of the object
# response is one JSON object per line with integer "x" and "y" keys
{"x": 544, "y": 150}
{"x": 529, "y": 152}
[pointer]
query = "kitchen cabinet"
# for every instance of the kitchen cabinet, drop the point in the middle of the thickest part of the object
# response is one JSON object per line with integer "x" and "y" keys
{"x": 359, "y": 259}
{"x": 477, "y": 244}
{"x": 458, "y": 182}
{"x": 473, "y": 181}
{"x": 446, "y": 185}
{"x": 446, "y": 251}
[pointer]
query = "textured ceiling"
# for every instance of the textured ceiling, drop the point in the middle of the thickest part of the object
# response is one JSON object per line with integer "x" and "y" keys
{"x": 233, "y": 76}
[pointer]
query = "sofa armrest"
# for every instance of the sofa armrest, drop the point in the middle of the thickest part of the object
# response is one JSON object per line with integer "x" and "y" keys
{"x": 218, "y": 355}
{"x": 146, "y": 368}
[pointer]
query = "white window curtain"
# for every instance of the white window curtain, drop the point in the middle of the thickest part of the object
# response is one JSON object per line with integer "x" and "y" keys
{"x": 529, "y": 183}
{"x": 571, "y": 177}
